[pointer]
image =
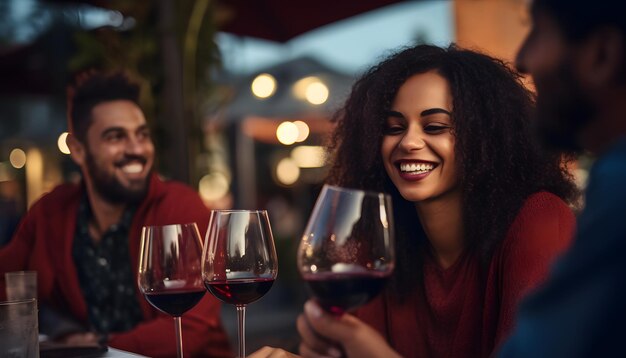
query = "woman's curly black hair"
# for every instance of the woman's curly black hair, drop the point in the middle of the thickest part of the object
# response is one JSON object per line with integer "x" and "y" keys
{"x": 500, "y": 163}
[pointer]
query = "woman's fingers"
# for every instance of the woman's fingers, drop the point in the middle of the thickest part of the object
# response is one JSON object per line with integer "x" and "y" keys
{"x": 337, "y": 328}
{"x": 325, "y": 335}
{"x": 307, "y": 352}
{"x": 269, "y": 352}
{"x": 312, "y": 339}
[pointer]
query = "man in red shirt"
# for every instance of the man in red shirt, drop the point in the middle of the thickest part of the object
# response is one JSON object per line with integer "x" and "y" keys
{"x": 83, "y": 239}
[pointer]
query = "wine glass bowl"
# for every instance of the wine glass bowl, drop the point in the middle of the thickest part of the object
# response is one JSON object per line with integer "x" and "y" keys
{"x": 239, "y": 262}
{"x": 347, "y": 253}
{"x": 170, "y": 270}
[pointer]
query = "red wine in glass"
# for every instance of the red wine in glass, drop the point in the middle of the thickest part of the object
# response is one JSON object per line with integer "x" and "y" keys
{"x": 174, "y": 303}
{"x": 347, "y": 252}
{"x": 340, "y": 293}
{"x": 239, "y": 263}
{"x": 170, "y": 275}
{"x": 240, "y": 292}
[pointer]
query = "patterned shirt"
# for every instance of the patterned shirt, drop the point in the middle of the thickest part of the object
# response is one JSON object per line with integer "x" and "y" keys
{"x": 105, "y": 275}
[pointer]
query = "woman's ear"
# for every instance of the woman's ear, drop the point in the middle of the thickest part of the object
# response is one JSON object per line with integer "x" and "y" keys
{"x": 77, "y": 149}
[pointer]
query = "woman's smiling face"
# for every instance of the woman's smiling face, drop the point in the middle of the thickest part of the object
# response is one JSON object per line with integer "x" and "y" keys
{"x": 418, "y": 142}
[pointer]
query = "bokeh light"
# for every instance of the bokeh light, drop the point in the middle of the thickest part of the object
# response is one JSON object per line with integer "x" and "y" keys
{"x": 213, "y": 186}
{"x": 5, "y": 172}
{"x": 17, "y": 157}
{"x": 316, "y": 93}
{"x": 62, "y": 143}
{"x": 307, "y": 156}
{"x": 264, "y": 85}
{"x": 287, "y": 133}
{"x": 287, "y": 172}
{"x": 303, "y": 131}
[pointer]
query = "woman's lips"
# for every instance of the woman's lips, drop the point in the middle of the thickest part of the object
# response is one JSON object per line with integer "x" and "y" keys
{"x": 415, "y": 170}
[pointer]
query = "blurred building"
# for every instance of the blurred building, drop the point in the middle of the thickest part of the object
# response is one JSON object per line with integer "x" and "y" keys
{"x": 276, "y": 122}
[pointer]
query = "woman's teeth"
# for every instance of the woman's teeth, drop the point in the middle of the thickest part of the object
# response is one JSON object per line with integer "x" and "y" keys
{"x": 133, "y": 168}
{"x": 416, "y": 168}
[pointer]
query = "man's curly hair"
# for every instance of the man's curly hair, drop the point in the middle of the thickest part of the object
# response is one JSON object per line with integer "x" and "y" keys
{"x": 500, "y": 162}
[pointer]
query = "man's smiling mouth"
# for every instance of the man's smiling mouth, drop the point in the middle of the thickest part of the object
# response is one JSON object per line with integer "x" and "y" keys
{"x": 132, "y": 168}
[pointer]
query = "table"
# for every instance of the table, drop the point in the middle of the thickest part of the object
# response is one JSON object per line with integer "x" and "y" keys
{"x": 116, "y": 353}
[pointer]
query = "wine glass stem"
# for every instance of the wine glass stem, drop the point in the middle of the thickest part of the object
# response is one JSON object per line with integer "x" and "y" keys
{"x": 179, "y": 337}
{"x": 241, "y": 328}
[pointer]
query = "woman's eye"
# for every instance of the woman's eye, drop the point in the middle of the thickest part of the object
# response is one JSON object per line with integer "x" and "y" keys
{"x": 393, "y": 129}
{"x": 436, "y": 128}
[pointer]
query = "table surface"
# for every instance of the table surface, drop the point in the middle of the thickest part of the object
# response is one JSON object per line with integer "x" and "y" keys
{"x": 116, "y": 353}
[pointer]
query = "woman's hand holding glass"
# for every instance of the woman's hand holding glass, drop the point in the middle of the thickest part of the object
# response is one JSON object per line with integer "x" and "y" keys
{"x": 320, "y": 332}
{"x": 347, "y": 253}
{"x": 346, "y": 256}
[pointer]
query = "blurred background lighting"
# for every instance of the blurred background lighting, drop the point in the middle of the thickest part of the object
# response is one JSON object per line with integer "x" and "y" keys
{"x": 17, "y": 158}
{"x": 264, "y": 85}
{"x": 300, "y": 87}
{"x": 34, "y": 175}
{"x": 62, "y": 144}
{"x": 303, "y": 131}
{"x": 287, "y": 133}
{"x": 213, "y": 186}
{"x": 316, "y": 93}
{"x": 287, "y": 172}
{"x": 5, "y": 174}
{"x": 306, "y": 156}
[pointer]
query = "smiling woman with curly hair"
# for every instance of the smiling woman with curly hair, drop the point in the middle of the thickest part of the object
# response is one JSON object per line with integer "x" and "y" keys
{"x": 481, "y": 210}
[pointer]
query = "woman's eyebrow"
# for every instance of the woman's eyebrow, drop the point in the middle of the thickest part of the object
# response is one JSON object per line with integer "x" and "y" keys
{"x": 433, "y": 111}
{"x": 395, "y": 114}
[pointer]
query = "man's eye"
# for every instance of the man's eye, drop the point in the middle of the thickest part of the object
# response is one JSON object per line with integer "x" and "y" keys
{"x": 144, "y": 135}
{"x": 113, "y": 137}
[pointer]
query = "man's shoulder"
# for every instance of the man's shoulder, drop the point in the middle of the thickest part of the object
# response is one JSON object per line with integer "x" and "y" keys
{"x": 60, "y": 196}
{"x": 172, "y": 193}
{"x": 163, "y": 188}
{"x": 612, "y": 163}
{"x": 607, "y": 178}
{"x": 171, "y": 201}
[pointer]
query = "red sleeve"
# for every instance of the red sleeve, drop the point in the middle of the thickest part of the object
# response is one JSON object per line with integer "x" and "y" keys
{"x": 202, "y": 334}
{"x": 14, "y": 256}
{"x": 541, "y": 231}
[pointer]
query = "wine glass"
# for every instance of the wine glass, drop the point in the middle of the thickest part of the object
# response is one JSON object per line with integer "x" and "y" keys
{"x": 347, "y": 253}
{"x": 170, "y": 275}
{"x": 239, "y": 263}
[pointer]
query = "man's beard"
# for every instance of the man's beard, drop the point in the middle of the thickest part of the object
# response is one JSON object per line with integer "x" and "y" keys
{"x": 109, "y": 187}
{"x": 563, "y": 110}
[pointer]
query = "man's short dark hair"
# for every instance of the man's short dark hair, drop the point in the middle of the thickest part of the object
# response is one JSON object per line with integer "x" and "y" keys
{"x": 579, "y": 18}
{"x": 92, "y": 88}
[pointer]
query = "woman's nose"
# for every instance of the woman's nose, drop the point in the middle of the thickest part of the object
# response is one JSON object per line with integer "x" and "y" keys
{"x": 412, "y": 140}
